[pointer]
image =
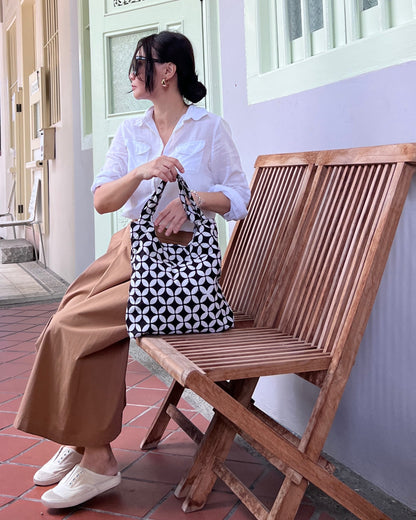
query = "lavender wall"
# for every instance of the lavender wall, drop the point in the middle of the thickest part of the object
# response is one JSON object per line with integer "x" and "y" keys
{"x": 374, "y": 432}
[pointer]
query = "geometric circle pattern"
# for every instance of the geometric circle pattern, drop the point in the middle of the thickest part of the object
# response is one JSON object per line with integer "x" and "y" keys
{"x": 174, "y": 289}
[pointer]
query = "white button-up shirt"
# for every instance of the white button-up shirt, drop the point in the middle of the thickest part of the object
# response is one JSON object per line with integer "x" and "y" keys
{"x": 202, "y": 143}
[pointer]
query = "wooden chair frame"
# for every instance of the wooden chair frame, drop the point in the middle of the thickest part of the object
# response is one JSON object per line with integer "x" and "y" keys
{"x": 302, "y": 272}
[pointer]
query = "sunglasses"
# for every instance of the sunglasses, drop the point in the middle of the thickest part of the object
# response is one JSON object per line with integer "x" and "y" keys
{"x": 138, "y": 62}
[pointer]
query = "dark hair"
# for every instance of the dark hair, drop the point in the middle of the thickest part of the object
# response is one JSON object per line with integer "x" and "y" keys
{"x": 171, "y": 47}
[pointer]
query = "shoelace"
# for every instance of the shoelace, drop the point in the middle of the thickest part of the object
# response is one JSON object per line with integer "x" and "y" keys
{"x": 62, "y": 455}
{"x": 74, "y": 478}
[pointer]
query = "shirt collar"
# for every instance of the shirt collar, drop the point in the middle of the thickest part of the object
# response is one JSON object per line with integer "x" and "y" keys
{"x": 194, "y": 112}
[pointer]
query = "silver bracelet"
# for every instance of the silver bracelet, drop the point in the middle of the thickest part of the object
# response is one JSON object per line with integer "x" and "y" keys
{"x": 197, "y": 198}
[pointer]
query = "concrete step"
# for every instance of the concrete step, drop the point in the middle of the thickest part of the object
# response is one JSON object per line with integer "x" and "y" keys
{"x": 16, "y": 251}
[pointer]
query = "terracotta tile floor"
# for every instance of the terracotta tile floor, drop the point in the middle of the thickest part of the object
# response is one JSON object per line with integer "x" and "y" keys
{"x": 149, "y": 478}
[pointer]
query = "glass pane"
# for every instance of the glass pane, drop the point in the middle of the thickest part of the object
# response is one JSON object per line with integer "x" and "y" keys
{"x": 36, "y": 121}
{"x": 86, "y": 69}
{"x": 368, "y": 4}
{"x": 121, "y": 49}
{"x": 316, "y": 15}
{"x": 295, "y": 19}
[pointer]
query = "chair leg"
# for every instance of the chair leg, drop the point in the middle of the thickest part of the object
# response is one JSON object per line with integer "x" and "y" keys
{"x": 34, "y": 243}
{"x": 199, "y": 481}
{"x": 160, "y": 422}
{"x": 216, "y": 444}
{"x": 288, "y": 500}
{"x": 41, "y": 245}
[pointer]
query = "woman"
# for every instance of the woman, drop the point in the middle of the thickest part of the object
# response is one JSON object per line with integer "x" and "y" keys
{"x": 76, "y": 392}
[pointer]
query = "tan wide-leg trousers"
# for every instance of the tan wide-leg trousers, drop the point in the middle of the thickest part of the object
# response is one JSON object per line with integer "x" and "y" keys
{"x": 76, "y": 391}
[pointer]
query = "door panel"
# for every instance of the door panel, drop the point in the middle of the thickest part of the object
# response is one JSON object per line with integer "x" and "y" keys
{"x": 116, "y": 26}
{"x": 16, "y": 145}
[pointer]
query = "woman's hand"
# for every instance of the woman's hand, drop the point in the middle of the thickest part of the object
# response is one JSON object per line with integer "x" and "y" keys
{"x": 171, "y": 219}
{"x": 112, "y": 195}
{"x": 164, "y": 167}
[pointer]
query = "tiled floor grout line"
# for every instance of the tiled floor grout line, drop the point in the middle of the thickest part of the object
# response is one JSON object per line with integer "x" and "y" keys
{"x": 7, "y": 402}
{"x": 251, "y": 487}
{"x": 108, "y": 513}
{"x": 148, "y": 515}
{"x": 314, "y": 508}
{"x": 10, "y": 461}
{"x": 12, "y": 501}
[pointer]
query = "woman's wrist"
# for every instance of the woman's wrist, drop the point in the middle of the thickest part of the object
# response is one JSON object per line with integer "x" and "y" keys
{"x": 214, "y": 201}
{"x": 199, "y": 201}
{"x": 138, "y": 173}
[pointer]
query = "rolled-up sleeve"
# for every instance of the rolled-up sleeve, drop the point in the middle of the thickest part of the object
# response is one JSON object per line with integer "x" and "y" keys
{"x": 115, "y": 165}
{"x": 229, "y": 177}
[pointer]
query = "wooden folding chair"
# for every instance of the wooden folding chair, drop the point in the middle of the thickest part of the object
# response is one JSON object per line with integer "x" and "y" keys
{"x": 319, "y": 269}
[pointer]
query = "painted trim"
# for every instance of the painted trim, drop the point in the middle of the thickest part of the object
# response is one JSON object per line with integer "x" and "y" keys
{"x": 213, "y": 81}
{"x": 84, "y": 86}
{"x": 392, "y": 47}
{"x": 212, "y": 55}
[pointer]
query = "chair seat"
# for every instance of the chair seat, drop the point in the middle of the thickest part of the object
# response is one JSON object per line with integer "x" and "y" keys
{"x": 246, "y": 352}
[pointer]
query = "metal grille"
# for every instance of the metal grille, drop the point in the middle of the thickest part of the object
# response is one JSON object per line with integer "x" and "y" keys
{"x": 120, "y": 3}
{"x": 51, "y": 50}
{"x": 295, "y": 19}
{"x": 368, "y": 4}
{"x": 316, "y": 15}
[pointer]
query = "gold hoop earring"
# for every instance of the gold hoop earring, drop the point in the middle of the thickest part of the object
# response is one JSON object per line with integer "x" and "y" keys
{"x": 164, "y": 83}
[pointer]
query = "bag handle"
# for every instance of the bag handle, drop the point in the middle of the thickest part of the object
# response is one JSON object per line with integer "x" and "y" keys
{"x": 193, "y": 212}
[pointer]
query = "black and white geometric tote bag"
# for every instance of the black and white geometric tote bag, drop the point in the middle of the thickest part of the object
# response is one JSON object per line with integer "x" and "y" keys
{"x": 174, "y": 289}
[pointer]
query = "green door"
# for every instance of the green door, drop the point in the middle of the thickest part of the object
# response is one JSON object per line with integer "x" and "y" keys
{"x": 115, "y": 28}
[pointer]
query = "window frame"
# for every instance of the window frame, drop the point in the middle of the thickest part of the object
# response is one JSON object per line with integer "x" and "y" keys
{"x": 346, "y": 56}
{"x": 85, "y": 73}
{"x": 51, "y": 59}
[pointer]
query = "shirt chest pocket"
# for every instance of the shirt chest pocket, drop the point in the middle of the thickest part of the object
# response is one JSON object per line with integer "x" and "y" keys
{"x": 190, "y": 155}
{"x": 139, "y": 154}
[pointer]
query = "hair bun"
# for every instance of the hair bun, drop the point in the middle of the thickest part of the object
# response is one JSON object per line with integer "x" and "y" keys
{"x": 195, "y": 91}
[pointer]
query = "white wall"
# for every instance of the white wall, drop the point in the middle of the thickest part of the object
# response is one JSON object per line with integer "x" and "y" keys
{"x": 70, "y": 242}
{"x": 374, "y": 432}
{"x": 5, "y": 177}
{"x": 4, "y": 187}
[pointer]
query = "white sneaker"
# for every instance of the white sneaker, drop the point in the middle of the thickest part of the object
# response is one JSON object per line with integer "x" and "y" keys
{"x": 80, "y": 485}
{"x": 56, "y": 468}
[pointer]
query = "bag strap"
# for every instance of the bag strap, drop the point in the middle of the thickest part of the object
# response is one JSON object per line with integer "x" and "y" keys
{"x": 193, "y": 212}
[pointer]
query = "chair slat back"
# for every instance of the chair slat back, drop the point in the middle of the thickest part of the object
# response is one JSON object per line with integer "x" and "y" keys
{"x": 344, "y": 233}
{"x": 299, "y": 260}
{"x": 275, "y": 206}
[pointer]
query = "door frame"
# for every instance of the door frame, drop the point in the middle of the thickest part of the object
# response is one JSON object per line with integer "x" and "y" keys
{"x": 212, "y": 78}
{"x": 212, "y": 54}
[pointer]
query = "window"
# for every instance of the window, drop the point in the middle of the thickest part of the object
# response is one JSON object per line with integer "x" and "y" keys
{"x": 85, "y": 72}
{"x": 295, "y": 45}
{"x": 13, "y": 84}
{"x": 51, "y": 52}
